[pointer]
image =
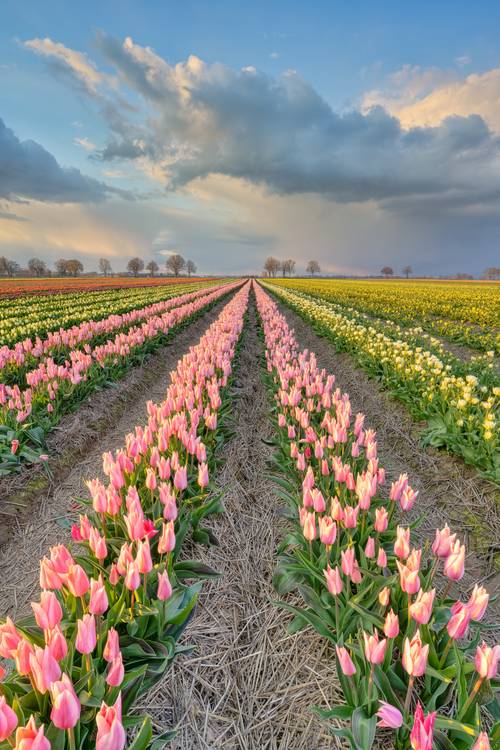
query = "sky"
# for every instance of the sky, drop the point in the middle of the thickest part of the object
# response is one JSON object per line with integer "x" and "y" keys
{"x": 358, "y": 134}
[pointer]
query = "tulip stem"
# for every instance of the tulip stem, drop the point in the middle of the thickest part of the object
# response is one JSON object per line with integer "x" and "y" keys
{"x": 408, "y": 694}
{"x": 71, "y": 738}
{"x": 370, "y": 682}
{"x": 471, "y": 697}
{"x": 337, "y": 616}
{"x": 445, "y": 653}
{"x": 447, "y": 589}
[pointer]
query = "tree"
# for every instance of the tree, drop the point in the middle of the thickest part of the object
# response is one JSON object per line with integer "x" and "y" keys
{"x": 60, "y": 266}
{"x": 153, "y": 267}
{"x": 492, "y": 273}
{"x": 135, "y": 265}
{"x": 12, "y": 267}
{"x": 190, "y": 267}
{"x": 407, "y": 270}
{"x": 288, "y": 267}
{"x": 105, "y": 266}
{"x": 272, "y": 266}
{"x": 313, "y": 267}
{"x": 37, "y": 267}
{"x": 387, "y": 271}
{"x": 175, "y": 264}
{"x": 3, "y": 265}
{"x": 74, "y": 267}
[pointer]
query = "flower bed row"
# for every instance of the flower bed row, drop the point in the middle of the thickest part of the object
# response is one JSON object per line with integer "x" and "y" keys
{"x": 27, "y": 415}
{"x": 409, "y": 656}
{"x": 461, "y": 410}
{"x": 112, "y": 607}
{"x": 16, "y": 361}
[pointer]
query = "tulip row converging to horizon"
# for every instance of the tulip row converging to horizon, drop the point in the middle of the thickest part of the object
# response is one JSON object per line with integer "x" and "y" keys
{"x": 409, "y": 655}
{"x": 460, "y": 401}
{"x": 113, "y": 605}
{"x": 70, "y": 368}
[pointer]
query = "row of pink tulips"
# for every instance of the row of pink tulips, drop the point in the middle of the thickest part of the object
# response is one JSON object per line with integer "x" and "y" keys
{"x": 113, "y": 605}
{"x": 410, "y": 657}
{"x": 53, "y": 389}
{"x": 28, "y": 351}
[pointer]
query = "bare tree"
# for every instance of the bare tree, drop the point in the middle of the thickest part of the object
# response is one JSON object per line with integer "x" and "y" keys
{"x": 272, "y": 266}
{"x": 61, "y": 267}
{"x": 135, "y": 265}
{"x": 105, "y": 266}
{"x": 313, "y": 267}
{"x": 288, "y": 267}
{"x": 191, "y": 267}
{"x": 387, "y": 271}
{"x": 175, "y": 264}
{"x": 492, "y": 273}
{"x": 37, "y": 267}
{"x": 153, "y": 267}
{"x": 407, "y": 270}
{"x": 74, "y": 267}
{"x": 12, "y": 267}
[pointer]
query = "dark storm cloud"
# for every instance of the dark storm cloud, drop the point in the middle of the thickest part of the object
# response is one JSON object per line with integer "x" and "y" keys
{"x": 28, "y": 171}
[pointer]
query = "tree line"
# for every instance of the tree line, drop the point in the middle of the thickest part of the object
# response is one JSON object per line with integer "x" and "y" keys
{"x": 273, "y": 267}
{"x": 175, "y": 265}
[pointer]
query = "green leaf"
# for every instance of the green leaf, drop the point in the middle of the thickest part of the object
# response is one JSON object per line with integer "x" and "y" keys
{"x": 363, "y": 729}
{"x": 337, "y": 712}
{"x": 194, "y": 569}
{"x": 443, "y": 722}
{"x": 311, "y": 618}
{"x": 142, "y": 740}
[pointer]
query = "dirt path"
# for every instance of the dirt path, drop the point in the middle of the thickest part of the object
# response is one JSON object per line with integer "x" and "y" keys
{"x": 449, "y": 491}
{"x": 248, "y": 685}
{"x": 119, "y": 410}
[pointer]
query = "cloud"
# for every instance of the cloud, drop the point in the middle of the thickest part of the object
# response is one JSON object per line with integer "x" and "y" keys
{"x": 28, "y": 171}
{"x": 69, "y": 61}
{"x": 85, "y": 143}
{"x": 463, "y": 60}
{"x": 274, "y": 55}
{"x": 426, "y": 97}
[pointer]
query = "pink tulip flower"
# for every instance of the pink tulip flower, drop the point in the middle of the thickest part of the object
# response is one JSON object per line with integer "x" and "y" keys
{"x": 458, "y": 624}
{"x": 166, "y": 542}
{"x": 164, "y": 586}
{"x": 346, "y": 663}
{"x": 48, "y": 613}
{"x": 31, "y": 738}
{"x": 132, "y": 577}
{"x": 374, "y": 649}
{"x": 65, "y": 704}
{"x": 112, "y": 646}
{"x": 327, "y": 530}
{"x": 408, "y": 579}
{"x": 98, "y": 597}
{"x": 8, "y": 719}
{"x": 421, "y": 609}
{"x": 143, "y": 558}
{"x": 333, "y": 580}
{"x": 116, "y": 672}
{"x": 454, "y": 565}
{"x": 422, "y": 733}
{"x": 309, "y": 529}
{"x": 381, "y": 558}
{"x": 384, "y": 596}
{"x": 415, "y": 656}
{"x": 482, "y": 742}
{"x": 391, "y": 624}
{"x": 381, "y": 520}
{"x": 348, "y": 557}
{"x": 9, "y": 639}
{"x": 22, "y": 655}
{"x": 86, "y": 638}
{"x": 110, "y": 732}
{"x": 390, "y": 717}
{"x": 443, "y": 541}
{"x": 478, "y": 603}
{"x": 486, "y": 661}
{"x": 44, "y": 669}
{"x": 56, "y": 643}
{"x": 370, "y": 547}
{"x": 77, "y": 580}
{"x": 402, "y": 543}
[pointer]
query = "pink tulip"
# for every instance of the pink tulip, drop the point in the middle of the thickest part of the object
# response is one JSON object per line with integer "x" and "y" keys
{"x": 166, "y": 542}
{"x": 44, "y": 669}
{"x": 309, "y": 529}
{"x": 65, "y": 704}
{"x": 22, "y": 655}
{"x": 374, "y": 649}
{"x": 327, "y": 530}
{"x": 61, "y": 559}
{"x": 356, "y": 573}
{"x": 8, "y": 719}
{"x": 132, "y": 577}
{"x": 421, "y": 736}
{"x": 346, "y": 663}
{"x": 150, "y": 480}
{"x": 348, "y": 557}
{"x": 143, "y": 559}
{"x": 203, "y": 475}
{"x": 124, "y": 558}
{"x": 381, "y": 558}
{"x": 443, "y": 541}
{"x": 336, "y": 511}
{"x": 180, "y": 478}
{"x": 56, "y": 643}
{"x": 110, "y": 732}
{"x": 408, "y": 579}
{"x": 477, "y": 603}
{"x": 116, "y": 672}
{"x": 164, "y": 586}
{"x": 402, "y": 543}
{"x": 86, "y": 635}
{"x": 415, "y": 656}
{"x": 98, "y": 597}
{"x": 31, "y": 738}
{"x": 486, "y": 661}
{"x": 48, "y": 613}
{"x": 421, "y": 609}
{"x": 454, "y": 564}
{"x": 384, "y": 596}
{"x": 77, "y": 580}
{"x": 350, "y": 517}
{"x": 370, "y": 547}
{"x": 458, "y": 624}
{"x": 381, "y": 520}
{"x": 49, "y": 578}
{"x": 482, "y": 742}
{"x": 9, "y": 639}
{"x": 391, "y": 624}
{"x": 114, "y": 575}
{"x": 390, "y": 717}
{"x": 333, "y": 580}
{"x": 14, "y": 446}
{"x": 112, "y": 646}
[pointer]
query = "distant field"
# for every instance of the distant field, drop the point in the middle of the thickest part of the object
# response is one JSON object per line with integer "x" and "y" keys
{"x": 64, "y": 284}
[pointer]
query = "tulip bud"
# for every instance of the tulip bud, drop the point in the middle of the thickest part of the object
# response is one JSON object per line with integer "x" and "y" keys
{"x": 112, "y": 646}
{"x": 98, "y": 597}
{"x": 116, "y": 672}
{"x": 65, "y": 704}
{"x": 482, "y": 742}
{"x": 391, "y": 625}
{"x": 333, "y": 580}
{"x": 415, "y": 656}
{"x": 110, "y": 732}
{"x": 346, "y": 663}
{"x": 390, "y": 717}
{"x": 8, "y": 719}
{"x": 164, "y": 586}
{"x": 486, "y": 661}
{"x": 86, "y": 636}
{"x": 31, "y": 738}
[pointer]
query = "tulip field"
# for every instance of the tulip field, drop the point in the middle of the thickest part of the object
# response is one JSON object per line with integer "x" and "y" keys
{"x": 396, "y": 629}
